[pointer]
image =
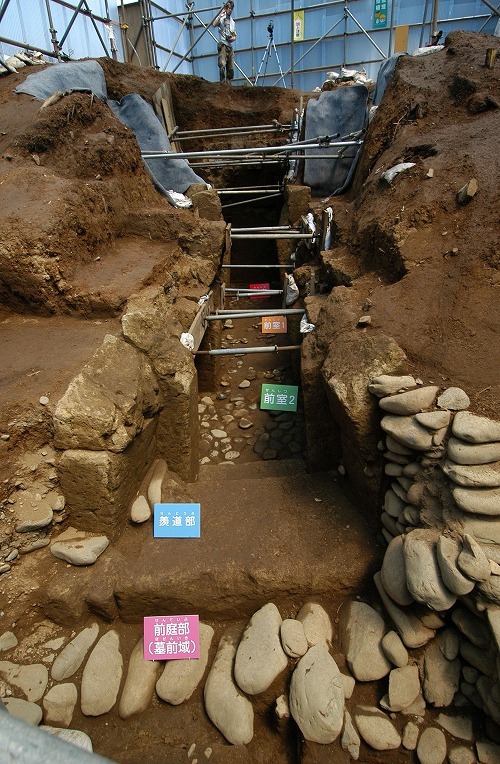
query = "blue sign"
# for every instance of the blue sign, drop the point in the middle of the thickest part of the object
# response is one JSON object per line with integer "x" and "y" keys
{"x": 177, "y": 521}
{"x": 380, "y": 13}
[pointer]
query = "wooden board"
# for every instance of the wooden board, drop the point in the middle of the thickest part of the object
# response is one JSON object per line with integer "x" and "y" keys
{"x": 164, "y": 108}
{"x": 199, "y": 325}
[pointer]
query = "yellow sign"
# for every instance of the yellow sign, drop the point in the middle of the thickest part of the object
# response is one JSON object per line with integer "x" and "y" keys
{"x": 401, "y": 39}
{"x": 274, "y": 325}
{"x": 298, "y": 26}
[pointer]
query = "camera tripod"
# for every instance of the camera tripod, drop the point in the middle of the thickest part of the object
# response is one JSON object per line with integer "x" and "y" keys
{"x": 267, "y": 55}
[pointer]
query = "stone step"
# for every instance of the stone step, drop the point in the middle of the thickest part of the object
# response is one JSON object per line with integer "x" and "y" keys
{"x": 251, "y": 470}
{"x": 283, "y": 538}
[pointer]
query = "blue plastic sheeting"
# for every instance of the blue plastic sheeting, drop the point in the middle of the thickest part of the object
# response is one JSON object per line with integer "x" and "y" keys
{"x": 385, "y": 76}
{"x": 167, "y": 174}
{"x": 341, "y": 111}
{"x": 81, "y": 75}
{"x": 133, "y": 111}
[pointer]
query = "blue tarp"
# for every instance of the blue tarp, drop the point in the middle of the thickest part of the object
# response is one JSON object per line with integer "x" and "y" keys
{"x": 341, "y": 111}
{"x": 132, "y": 110}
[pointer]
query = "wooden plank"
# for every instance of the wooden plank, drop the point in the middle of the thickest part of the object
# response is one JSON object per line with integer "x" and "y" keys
{"x": 199, "y": 325}
{"x": 164, "y": 108}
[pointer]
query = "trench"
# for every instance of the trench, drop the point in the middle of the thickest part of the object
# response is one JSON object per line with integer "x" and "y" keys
{"x": 271, "y": 533}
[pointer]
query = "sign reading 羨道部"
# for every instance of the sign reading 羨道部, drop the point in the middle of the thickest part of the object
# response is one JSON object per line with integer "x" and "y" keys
{"x": 176, "y": 521}
{"x": 274, "y": 325}
{"x": 171, "y": 637}
{"x": 279, "y": 397}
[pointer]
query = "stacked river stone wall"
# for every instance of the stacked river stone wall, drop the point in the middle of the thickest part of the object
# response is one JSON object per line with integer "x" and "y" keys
{"x": 441, "y": 521}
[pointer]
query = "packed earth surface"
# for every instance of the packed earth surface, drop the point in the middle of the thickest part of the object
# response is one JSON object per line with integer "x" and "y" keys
{"x": 290, "y": 503}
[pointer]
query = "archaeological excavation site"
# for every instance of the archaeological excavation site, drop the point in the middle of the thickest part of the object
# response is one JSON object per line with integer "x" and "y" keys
{"x": 249, "y": 415}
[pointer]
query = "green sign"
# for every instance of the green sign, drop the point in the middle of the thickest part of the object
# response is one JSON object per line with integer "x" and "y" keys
{"x": 279, "y": 397}
{"x": 380, "y": 14}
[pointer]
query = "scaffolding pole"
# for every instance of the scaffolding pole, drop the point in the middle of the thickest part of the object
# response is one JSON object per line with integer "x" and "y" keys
{"x": 250, "y": 311}
{"x": 247, "y": 351}
{"x": 252, "y": 292}
{"x": 184, "y": 21}
{"x": 316, "y": 143}
{"x": 256, "y": 314}
{"x": 256, "y": 266}
{"x": 250, "y": 201}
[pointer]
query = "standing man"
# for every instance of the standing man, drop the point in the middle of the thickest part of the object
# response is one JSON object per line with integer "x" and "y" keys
{"x": 227, "y": 35}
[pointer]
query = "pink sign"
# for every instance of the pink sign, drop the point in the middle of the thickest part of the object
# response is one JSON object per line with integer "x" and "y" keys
{"x": 171, "y": 637}
{"x": 257, "y": 287}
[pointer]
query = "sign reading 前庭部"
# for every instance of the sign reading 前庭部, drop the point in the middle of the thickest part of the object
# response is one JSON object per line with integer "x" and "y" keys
{"x": 176, "y": 521}
{"x": 171, "y": 637}
{"x": 279, "y": 397}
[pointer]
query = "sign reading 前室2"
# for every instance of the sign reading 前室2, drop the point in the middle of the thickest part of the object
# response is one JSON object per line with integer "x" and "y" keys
{"x": 279, "y": 397}
{"x": 176, "y": 521}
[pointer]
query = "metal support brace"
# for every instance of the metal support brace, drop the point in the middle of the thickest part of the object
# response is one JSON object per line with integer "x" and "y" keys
{"x": 256, "y": 314}
{"x": 252, "y": 292}
{"x": 256, "y": 265}
{"x": 291, "y": 235}
{"x": 247, "y": 351}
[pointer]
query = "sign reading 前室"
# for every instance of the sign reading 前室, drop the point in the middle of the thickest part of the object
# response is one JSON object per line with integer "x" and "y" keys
{"x": 176, "y": 521}
{"x": 274, "y": 325}
{"x": 279, "y": 397}
{"x": 171, "y": 637}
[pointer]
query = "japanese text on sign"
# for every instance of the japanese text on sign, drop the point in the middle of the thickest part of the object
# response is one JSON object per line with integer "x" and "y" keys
{"x": 176, "y": 521}
{"x": 171, "y": 637}
{"x": 274, "y": 325}
{"x": 380, "y": 13}
{"x": 257, "y": 288}
{"x": 279, "y": 397}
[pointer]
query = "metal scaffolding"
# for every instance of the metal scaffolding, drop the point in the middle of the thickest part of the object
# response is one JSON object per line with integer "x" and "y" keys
{"x": 180, "y": 38}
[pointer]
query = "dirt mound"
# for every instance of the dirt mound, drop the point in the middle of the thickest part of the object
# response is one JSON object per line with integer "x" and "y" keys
{"x": 430, "y": 265}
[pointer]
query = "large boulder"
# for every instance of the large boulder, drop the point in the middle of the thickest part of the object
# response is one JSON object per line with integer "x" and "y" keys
{"x": 317, "y": 696}
{"x": 423, "y": 576}
{"x": 260, "y": 658}
{"x": 227, "y": 707}
{"x": 105, "y": 406}
{"x": 361, "y": 630}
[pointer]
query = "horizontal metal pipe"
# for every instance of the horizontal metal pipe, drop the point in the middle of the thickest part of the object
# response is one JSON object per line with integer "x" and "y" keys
{"x": 253, "y": 265}
{"x": 263, "y": 228}
{"x": 237, "y": 163}
{"x": 249, "y": 201}
{"x": 246, "y": 351}
{"x": 225, "y": 135}
{"x": 273, "y": 236}
{"x": 227, "y": 130}
{"x": 25, "y": 46}
{"x": 256, "y": 314}
{"x": 250, "y": 189}
{"x": 223, "y": 191}
{"x": 286, "y": 148}
{"x": 252, "y": 292}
